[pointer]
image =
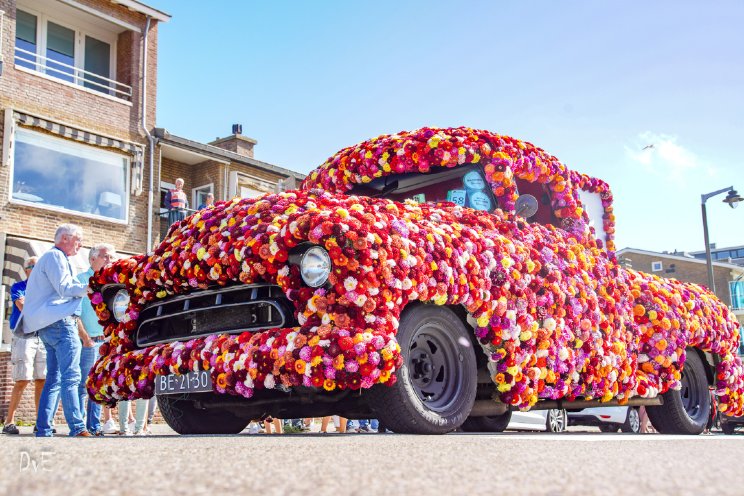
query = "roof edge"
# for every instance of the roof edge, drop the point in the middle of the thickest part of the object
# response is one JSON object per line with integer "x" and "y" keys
{"x": 144, "y": 9}
{"x": 164, "y": 136}
{"x": 677, "y": 257}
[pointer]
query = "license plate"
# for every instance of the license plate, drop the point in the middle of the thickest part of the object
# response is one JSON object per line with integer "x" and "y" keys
{"x": 191, "y": 382}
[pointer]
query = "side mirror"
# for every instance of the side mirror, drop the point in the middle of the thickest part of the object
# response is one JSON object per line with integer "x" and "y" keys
{"x": 526, "y": 206}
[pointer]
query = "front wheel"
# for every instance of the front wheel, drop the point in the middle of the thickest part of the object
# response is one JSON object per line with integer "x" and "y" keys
{"x": 632, "y": 421}
{"x": 184, "y": 418}
{"x": 685, "y": 411}
{"x": 436, "y": 385}
{"x": 556, "y": 421}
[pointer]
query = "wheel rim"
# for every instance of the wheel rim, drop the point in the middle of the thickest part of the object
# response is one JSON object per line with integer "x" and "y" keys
{"x": 690, "y": 395}
{"x": 634, "y": 420}
{"x": 556, "y": 420}
{"x": 435, "y": 366}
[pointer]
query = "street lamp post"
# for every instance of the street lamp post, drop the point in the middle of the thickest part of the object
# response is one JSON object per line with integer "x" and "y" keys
{"x": 733, "y": 199}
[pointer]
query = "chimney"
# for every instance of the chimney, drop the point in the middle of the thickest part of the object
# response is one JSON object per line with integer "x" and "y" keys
{"x": 236, "y": 142}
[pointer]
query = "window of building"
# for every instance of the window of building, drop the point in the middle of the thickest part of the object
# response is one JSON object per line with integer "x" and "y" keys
{"x": 737, "y": 294}
{"x": 59, "y": 174}
{"x": 657, "y": 266}
{"x": 26, "y": 39}
{"x": 67, "y": 52}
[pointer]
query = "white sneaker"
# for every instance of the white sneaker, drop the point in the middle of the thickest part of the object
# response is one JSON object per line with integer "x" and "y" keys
{"x": 109, "y": 427}
{"x": 253, "y": 428}
{"x": 130, "y": 426}
{"x": 143, "y": 432}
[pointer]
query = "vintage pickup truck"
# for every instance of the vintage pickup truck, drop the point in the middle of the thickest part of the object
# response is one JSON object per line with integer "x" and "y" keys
{"x": 435, "y": 279}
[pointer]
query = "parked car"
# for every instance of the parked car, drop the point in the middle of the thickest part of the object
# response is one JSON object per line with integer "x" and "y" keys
{"x": 553, "y": 420}
{"x": 421, "y": 278}
{"x": 608, "y": 419}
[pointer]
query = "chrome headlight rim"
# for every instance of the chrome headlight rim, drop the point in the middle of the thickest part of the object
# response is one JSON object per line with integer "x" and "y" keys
{"x": 120, "y": 305}
{"x": 321, "y": 260}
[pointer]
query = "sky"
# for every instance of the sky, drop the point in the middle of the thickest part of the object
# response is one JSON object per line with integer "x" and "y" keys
{"x": 592, "y": 83}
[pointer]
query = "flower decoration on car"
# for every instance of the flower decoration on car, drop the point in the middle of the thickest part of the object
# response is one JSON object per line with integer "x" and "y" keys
{"x": 555, "y": 314}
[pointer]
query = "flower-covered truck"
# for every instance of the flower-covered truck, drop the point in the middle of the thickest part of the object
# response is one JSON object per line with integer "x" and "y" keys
{"x": 435, "y": 279}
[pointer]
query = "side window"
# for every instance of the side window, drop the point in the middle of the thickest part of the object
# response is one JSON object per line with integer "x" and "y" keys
{"x": 592, "y": 203}
{"x": 544, "y": 214}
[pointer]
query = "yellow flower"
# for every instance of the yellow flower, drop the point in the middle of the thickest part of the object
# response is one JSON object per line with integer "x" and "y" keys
{"x": 329, "y": 384}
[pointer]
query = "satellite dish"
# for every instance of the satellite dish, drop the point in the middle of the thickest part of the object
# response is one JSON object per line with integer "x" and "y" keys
{"x": 526, "y": 206}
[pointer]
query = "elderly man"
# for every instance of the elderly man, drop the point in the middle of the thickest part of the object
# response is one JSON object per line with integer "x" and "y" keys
{"x": 91, "y": 335}
{"x": 53, "y": 296}
{"x": 28, "y": 355}
{"x": 176, "y": 202}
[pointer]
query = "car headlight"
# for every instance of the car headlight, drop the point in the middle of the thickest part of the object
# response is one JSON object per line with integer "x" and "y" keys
{"x": 315, "y": 266}
{"x": 120, "y": 305}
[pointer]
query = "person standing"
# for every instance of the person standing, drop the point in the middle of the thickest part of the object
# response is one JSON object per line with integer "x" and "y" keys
{"x": 91, "y": 335}
{"x": 208, "y": 202}
{"x": 176, "y": 202}
{"x": 52, "y": 297}
{"x": 27, "y": 355}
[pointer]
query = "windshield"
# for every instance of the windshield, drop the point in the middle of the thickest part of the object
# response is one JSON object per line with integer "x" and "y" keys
{"x": 464, "y": 186}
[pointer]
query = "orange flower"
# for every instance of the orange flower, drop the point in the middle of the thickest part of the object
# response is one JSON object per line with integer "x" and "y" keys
{"x": 222, "y": 381}
{"x": 299, "y": 366}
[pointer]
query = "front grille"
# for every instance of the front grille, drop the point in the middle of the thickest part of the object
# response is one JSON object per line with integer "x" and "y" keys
{"x": 233, "y": 309}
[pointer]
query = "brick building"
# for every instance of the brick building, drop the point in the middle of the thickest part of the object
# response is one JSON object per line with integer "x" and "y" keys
{"x": 728, "y": 277}
{"x": 80, "y": 143}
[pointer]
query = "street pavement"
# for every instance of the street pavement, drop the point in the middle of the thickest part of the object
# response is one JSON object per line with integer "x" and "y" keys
{"x": 577, "y": 462}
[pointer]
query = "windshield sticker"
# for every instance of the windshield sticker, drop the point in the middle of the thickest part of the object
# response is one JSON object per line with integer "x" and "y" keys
{"x": 456, "y": 196}
{"x": 473, "y": 180}
{"x": 479, "y": 201}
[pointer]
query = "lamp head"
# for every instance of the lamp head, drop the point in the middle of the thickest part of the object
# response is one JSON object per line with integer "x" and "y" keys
{"x": 733, "y": 199}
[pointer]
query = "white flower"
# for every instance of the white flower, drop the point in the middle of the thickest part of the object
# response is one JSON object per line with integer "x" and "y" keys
{"x": 269, "y": 382}
{"x": 350, "y": 283}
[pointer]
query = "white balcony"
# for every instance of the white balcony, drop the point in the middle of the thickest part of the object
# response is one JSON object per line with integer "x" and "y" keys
{"x": 34, "y": 62}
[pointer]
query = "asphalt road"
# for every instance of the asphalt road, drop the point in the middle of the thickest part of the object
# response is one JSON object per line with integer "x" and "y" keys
{"x": 369, "y": 464}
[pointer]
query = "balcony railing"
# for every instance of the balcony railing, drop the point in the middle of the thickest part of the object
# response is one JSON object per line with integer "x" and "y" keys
{"x": 165, "y": 220}
{"x": 72, "y": 74}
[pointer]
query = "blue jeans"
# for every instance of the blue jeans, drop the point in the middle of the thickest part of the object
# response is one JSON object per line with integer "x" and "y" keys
{"x": 369, "y": 422}
{"x": 91, "y": 413}
{"x": 63, "y": 377}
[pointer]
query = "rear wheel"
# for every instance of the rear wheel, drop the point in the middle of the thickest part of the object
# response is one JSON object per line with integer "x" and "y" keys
{"x": 632, "y": 421}
{"x": 184, "y": 418}
{"x": 487, "y": 424}
{"x": 556, "y": 421}
{"x": 685, "y": 411}
{"x": 436, "y": 385}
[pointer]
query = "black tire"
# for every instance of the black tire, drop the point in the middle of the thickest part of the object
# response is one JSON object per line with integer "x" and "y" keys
{"x": 556, "y": 421}
{"x": 184, "y": 418}
{"x": 632, "y": 421}
{"x": 436, "y": 385}
{"x": 728, "y": 428}
{"x": 685, "y": 411}
{"x": 487, "y": 424}
{"x": 608, "y": 428}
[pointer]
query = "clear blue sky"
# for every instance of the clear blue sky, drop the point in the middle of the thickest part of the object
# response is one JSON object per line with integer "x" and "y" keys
{"x": 590, "y": 82}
